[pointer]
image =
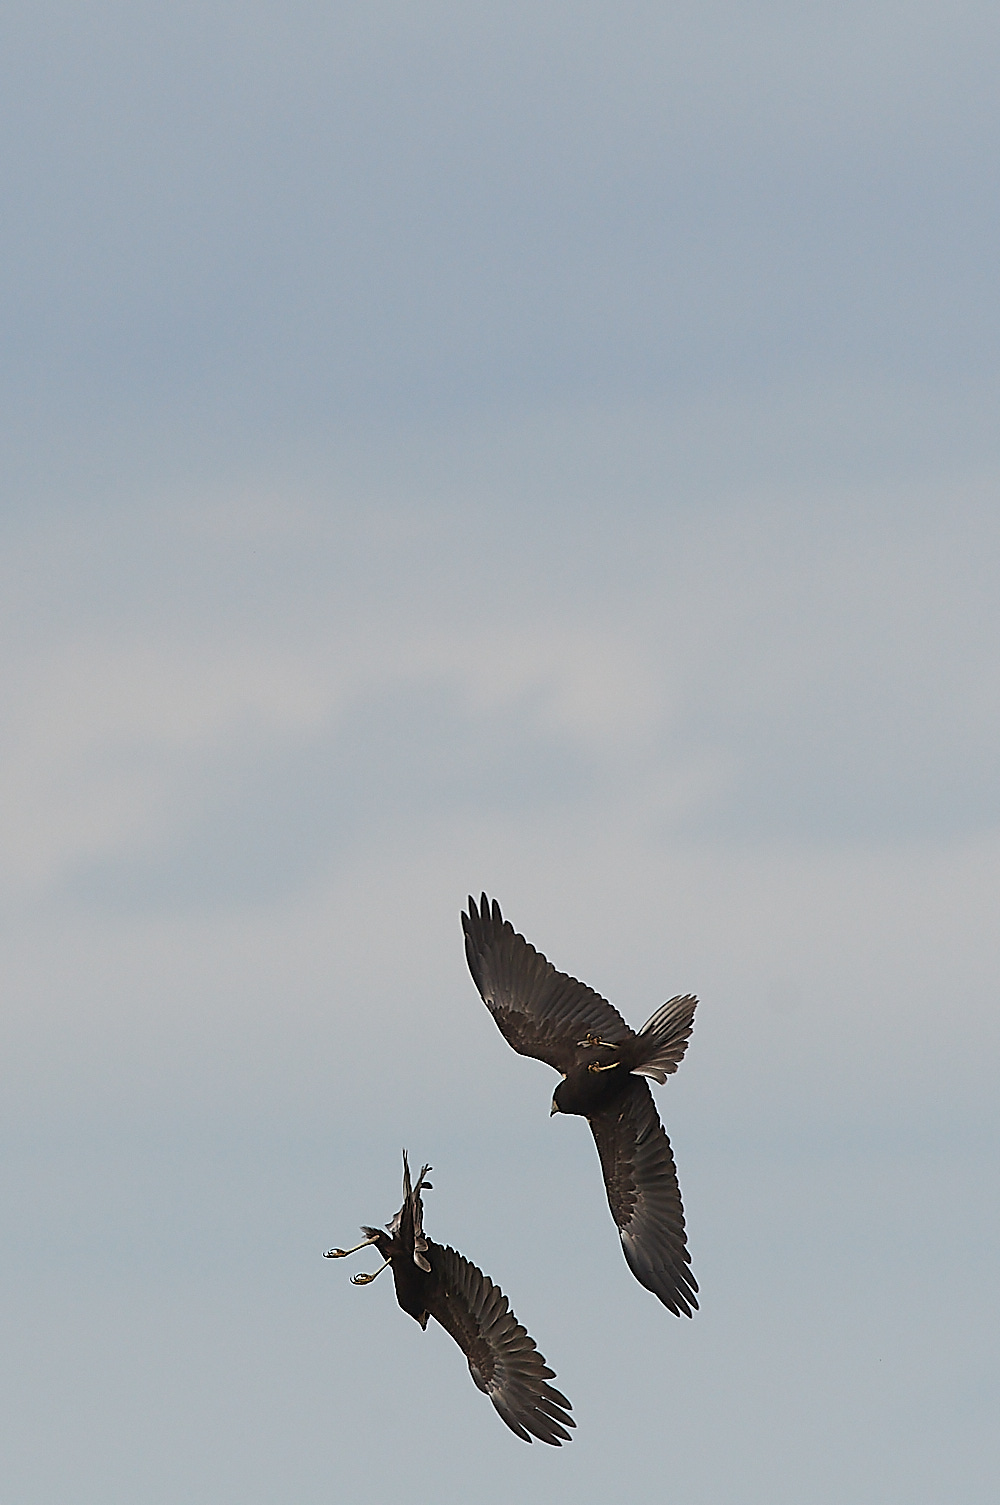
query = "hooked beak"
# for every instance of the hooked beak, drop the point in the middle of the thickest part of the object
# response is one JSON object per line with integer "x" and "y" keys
{"x": 554, "y": 1108}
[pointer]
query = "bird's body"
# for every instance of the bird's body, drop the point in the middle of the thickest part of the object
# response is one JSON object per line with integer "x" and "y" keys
{"x": 584, "y": 1092}
{"x": 559, "y": 1020}
{"x": 433, "y": 1280}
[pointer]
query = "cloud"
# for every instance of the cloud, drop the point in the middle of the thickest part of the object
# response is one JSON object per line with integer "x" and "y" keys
{"x": 108, "y": 743}
{"x": 247, "y": 685}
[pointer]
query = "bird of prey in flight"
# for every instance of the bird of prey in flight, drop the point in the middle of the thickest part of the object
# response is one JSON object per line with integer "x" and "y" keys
{"x": 434, "y": 1281}
{"x": 604, "y": 1065}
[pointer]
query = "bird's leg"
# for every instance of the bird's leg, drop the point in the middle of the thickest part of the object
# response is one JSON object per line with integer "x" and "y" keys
{"x": 366, "y": 1280}
{"x": 343, "y": 1253}
{"x": 593, "y": 1040}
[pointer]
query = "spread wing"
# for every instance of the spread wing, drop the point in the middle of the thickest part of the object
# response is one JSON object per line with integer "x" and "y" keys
{"x": 540, "y": 1012}
{"x": 645, "y": 1200}
{"x": 503, "y": 1360}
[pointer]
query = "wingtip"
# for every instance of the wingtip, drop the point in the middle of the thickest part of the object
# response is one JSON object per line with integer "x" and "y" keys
{"x": 480, "y": 913}
{"x": 674, "y": 1288}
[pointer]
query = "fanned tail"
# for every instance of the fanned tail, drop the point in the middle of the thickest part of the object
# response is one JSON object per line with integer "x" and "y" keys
{"x": 663, "y": 1038}
{"x": 413, "y": 1203}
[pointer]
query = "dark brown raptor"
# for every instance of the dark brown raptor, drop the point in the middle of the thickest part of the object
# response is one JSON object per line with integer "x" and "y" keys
{"x": 434, "y": 1281}
{"x": 549, "y": 1015}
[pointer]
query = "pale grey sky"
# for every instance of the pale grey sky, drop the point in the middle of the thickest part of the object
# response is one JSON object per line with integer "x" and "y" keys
{"x": 552, "y": 450}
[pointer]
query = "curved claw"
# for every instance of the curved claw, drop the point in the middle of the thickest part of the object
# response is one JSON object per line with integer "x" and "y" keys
{"x": 366, "y": 1280}
{"x": 343, "y": 1253}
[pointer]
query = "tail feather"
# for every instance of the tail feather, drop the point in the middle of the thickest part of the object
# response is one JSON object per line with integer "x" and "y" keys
{"x": 663, "y": 1038}
{"x": 413, "y": 1202}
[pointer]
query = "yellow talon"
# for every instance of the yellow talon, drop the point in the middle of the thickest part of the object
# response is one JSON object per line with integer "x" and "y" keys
{"x": 343, "y": 1253}
{"x": 366, "y": 1280}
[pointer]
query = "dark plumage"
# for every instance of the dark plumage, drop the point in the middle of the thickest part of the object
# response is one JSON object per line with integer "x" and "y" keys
{"x": 434, "y": 1281}
{"x": 545, "y": 1013}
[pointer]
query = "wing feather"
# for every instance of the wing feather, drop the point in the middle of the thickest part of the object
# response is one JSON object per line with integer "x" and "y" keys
{"x": 539, "y": 1011}
{"x": 503, "y": 1360}
{"x": 645, "y": 1199}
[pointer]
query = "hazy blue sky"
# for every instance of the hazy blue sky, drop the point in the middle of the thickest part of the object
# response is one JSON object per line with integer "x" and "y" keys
{"x": 544, "y": 448}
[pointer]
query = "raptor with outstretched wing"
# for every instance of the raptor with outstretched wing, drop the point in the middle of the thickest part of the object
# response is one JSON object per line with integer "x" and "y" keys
{"x": 433, "y": 1280}
{"x": 545, "y": 1013}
